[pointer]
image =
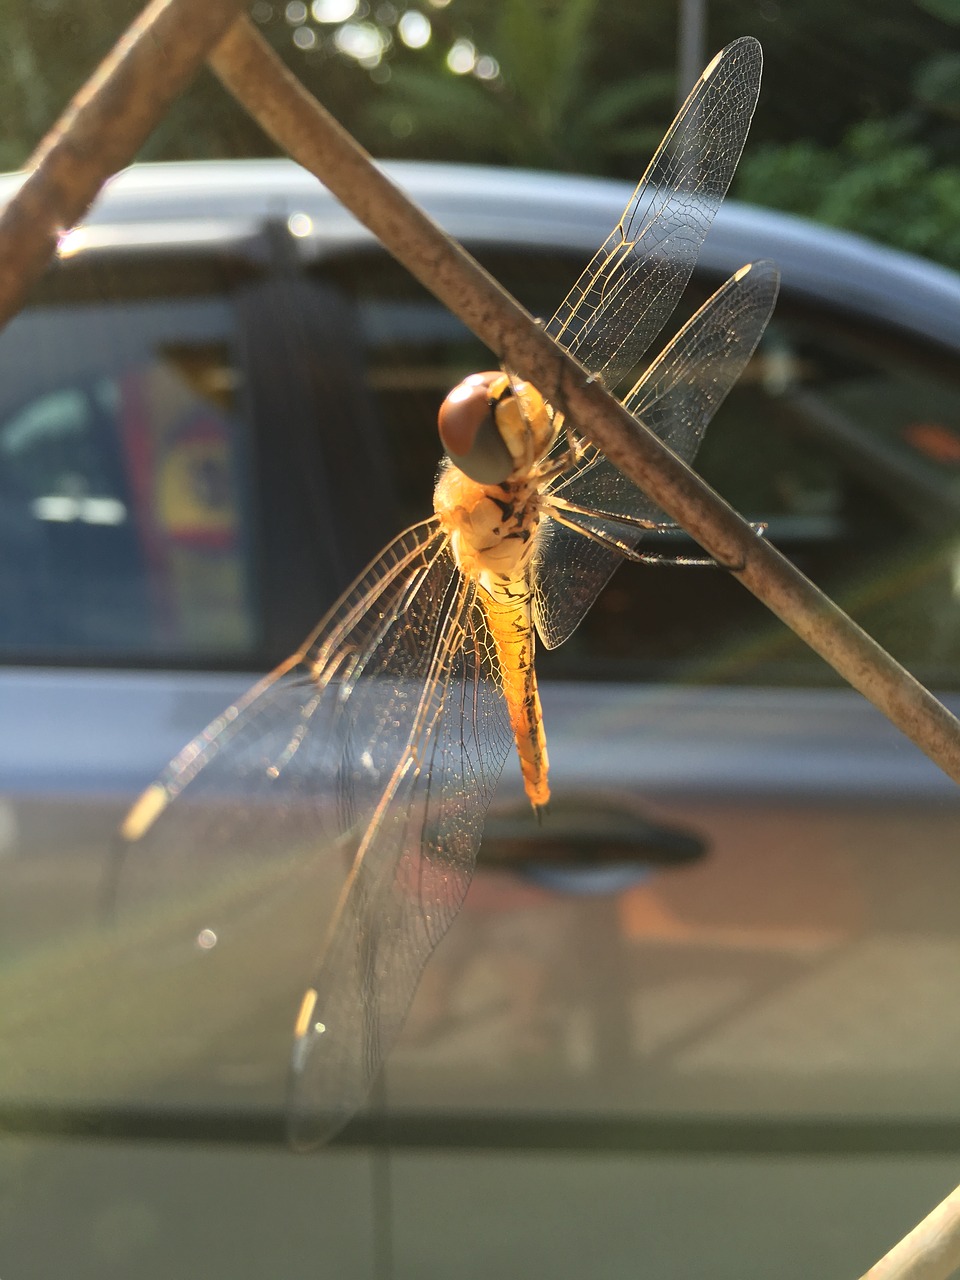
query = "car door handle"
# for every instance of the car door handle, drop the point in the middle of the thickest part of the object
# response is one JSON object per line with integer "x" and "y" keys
{"x": 587, "y": 842}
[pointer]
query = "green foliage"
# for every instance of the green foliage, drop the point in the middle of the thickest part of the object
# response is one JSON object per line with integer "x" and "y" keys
{"x": 876, "y": 181}
{"x": 53, "y": 46}
{"x": 50, "y": 47}
{"x": 547, "y": 109}
{"x": 945, "y": 10}
{"x": 937, "y": 84}
{"x": 583, "y": 85}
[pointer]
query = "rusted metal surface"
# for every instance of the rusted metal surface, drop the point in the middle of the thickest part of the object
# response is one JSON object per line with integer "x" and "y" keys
{"x": 276, "y": 99}
{"x": 931, "y": 1251}
{"x": 101, "y": 131}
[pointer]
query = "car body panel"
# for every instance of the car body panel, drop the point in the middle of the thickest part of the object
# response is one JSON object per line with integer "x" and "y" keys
{"x": 739, "y": 995}
{"x": 732, "y": 741}
{"x": 179, "y": 205}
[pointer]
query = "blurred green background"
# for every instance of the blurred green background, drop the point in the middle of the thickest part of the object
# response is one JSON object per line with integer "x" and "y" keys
{"x": 858, "y": 125}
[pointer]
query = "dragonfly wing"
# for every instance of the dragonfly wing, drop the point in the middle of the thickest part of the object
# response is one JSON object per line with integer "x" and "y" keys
{"x": 635, "y": 279}
{"x": 348, "y": 756}
{"x": 676, "y": 398}
{"x": 409, "y": 879}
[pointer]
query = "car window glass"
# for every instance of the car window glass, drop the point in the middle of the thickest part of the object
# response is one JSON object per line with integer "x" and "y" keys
{"x": 845, "y": 441}
{"x": 125, "y": 523}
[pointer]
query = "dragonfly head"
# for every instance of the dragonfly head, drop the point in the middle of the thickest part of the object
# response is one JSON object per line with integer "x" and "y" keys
{"x": 494, "y": 428}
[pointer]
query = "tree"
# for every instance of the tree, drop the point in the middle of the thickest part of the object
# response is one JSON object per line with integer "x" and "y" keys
{"x": 876, "y": 182}
{"x": 893, "y": 177}
{"x": 546, "y": 106}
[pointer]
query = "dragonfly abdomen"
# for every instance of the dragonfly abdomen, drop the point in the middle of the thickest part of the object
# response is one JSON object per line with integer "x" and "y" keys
{"x": 492, "y": 530}
{"x": 510, "y": 619}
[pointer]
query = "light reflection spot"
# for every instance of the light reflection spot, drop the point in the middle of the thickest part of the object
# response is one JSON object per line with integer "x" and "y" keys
{"x": 206, "y": 939}
{"x": 305, "y": 1014}
{"x": 73, "y": 241}
{"x": 462, "y": 57}
{"x": 414, "y": 29}
{"x": 300, "y": 225}
{"x": 362, "y": 41}
{"x": 333, "y": 10}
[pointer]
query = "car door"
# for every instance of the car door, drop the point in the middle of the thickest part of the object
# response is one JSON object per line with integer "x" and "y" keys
{"x": 155, "y": 542}
{"x": 733, "y": 932}
{"x": 730, "y": 943}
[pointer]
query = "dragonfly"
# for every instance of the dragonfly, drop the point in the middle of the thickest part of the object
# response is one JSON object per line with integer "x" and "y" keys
{"x": 384, "y": 734}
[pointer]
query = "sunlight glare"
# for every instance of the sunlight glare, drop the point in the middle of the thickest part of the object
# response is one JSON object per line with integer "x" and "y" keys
{"x": 300, "y": 225}
{"x": 305, "y": 1016}
{"x": 72, "y": 242}
{"x": 333, "y": 10}
{"x": 361, "y": 41}
{"x": 462, "y": 57}
{"x": 414, "y": 29}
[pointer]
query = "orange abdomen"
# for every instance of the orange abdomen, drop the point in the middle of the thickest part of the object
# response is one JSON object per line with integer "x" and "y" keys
{"x": 512, "y": 629}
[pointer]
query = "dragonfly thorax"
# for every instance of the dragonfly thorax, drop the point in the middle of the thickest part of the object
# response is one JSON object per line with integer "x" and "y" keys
{"x": 496, "y": 431}
{"x": 491, "y": 527}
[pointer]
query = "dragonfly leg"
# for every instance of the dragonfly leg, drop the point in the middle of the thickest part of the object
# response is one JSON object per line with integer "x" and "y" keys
{"x": 637, "y": 522}
{"x": 576, "y": 445}
{"x": 561, "y": 504}
{"x": 606, "y": 539}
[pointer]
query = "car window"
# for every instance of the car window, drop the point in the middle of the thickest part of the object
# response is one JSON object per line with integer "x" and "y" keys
{"x": 124, "y": 520}
{"x": 844, "y": 440}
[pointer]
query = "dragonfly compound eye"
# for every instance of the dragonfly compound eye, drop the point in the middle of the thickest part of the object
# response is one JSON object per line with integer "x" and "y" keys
{"x": 469, "y": 432}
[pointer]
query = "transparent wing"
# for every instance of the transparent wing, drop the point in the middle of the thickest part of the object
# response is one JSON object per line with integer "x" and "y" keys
{"x": 408, "y": 880}
{"x": 634, "y": 281}
{"x": 371, "y": 753}
{"x": 675, "y": 398}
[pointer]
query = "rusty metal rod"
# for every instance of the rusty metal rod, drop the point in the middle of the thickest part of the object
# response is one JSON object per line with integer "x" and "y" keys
{"x": 301, "y": 126}
{"x": 931, "y": 1251}
{"x": 101, "y": 131}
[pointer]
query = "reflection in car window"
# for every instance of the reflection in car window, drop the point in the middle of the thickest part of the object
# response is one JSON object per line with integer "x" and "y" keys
{"x": 841, "y": 440}
{"x": 122, "y": 459}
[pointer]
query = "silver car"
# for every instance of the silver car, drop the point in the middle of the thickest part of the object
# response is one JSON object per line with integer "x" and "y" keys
{"x": 704, "y": 1015}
